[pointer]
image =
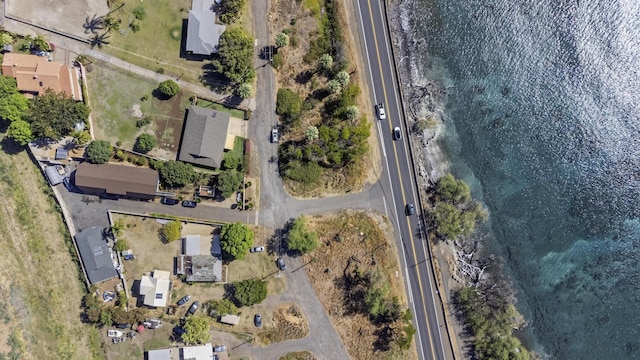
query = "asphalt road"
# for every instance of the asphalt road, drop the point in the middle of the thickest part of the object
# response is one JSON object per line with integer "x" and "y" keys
{"x": 431, "y": 336}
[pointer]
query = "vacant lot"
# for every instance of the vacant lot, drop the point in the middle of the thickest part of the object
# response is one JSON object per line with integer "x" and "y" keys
{"x": 355, "y": 244}
{"x": 67, "y": 16}
{"x": 40, "y": 290}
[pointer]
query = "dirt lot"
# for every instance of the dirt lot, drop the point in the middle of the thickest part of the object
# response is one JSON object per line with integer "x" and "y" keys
{"x": 40, "y": 290}
{"x": 67, "y": 16}
{"x": 359, "y": 240}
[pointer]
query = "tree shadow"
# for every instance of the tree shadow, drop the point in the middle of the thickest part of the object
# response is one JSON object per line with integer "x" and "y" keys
{"x": 304, "y": 77}
{"x": 9, "y": 146}
{"x": 94, "y": 24}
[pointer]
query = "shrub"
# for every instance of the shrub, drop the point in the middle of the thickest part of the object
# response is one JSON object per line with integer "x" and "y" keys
{"x": 145, "y": 143}
{"x": 139, "y": 13}
{"x": 99, "y": 151}
{"x": 300, "y": 239}
{"x": 250, "y": 292}
{"x": 169, "y": 88}
{"x": 134, "y": 26}
{"x": 171, "y": 231}
{"x": 146, "y": 120}
{"x": 282, "y": 40}
{"x": 277, "y": 60}
{"x": 288, "y": 102}
{"x": 221, "y": 307}
{"x": 121, "y": 245}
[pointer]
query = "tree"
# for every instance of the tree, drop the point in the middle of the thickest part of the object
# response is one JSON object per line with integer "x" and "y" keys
{"x": 450, "y": 189}
{"x": 288, "y": 103}
{"x": 300, "y": 239}
{"x": 231, "y": 161}
{"x": 145, "y": 143}
{"x": 8, "y": 86}
{"x": 325, "y": 62}
{"x": 171, "y": 231}
{"x": 244, "y": 90}
{"x": 448, "y": 220}
{"x": 196, "y": 330}
{"x": 229, "y": 181}
{"x": 282, "y": 40}
{"x": 235, "y": 240}
{"x": 169, "y": 88}
{"x": 334, "y": 86}
{"x": 229, "y": 10}
{"x": 352, "y": 112}
{"x": 176, "y": 173}
{"x": 105, "y": 318}
{"x": 111, "y": 23}
{"x": 41, "y": 44}
{"x": 99, "y": 151}
{"x": 250, "y": 292}
{"x": 311, "y": 133}
{"x": 235, "y": 56}
{"x": 13, "y": 107}
{"x": 343, "y": 78}
{"x": 5, "y": 39}
{"x": 20, "y": 132}
{"x": 54, "y": 115}
{"x": 121, "y": 245}
{"x": 221, "y": 307}
{"x": 81, "y": 137}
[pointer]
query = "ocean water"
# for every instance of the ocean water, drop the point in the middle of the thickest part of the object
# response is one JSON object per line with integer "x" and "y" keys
{"x": 543, "y": 118}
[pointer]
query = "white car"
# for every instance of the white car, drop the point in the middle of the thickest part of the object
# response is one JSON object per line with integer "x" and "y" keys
{"x": 380, "y": 110}
{"x": 114, "y": 333}
{"x": 256, "y": 249}
{"x": 274, "y": 135}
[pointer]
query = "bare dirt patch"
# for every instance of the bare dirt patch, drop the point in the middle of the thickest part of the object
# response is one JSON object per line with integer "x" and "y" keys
{"x": 289, "y": 323}
{"x": 298, "y": 355}
{"x": 356, "y": 242}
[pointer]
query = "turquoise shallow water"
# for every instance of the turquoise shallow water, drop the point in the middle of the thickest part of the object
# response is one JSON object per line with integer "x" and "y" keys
{"x": 543, "y": 117}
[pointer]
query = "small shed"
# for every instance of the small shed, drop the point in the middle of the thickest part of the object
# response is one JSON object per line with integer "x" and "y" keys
{"x": 230, "y": 319}
{"x": 62, "y": 154}
{"x": 7, "y": 48}
{"x": 53, "y": 175}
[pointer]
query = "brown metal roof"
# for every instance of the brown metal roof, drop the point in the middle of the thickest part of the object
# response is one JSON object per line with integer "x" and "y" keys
{"x": 117, "y": 179}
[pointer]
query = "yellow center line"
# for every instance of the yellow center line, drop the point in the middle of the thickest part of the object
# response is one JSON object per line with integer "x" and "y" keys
{"x": 384, "y": 90}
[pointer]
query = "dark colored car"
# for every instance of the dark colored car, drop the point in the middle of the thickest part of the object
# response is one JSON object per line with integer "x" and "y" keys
{"x": 219, "y": 348}
{"x": 193, "y": 308}
{"x": 281, "y": 264}
{"x": 411, "y": 210}
{"x": 67, "y": 183}
{"x": 396, "y": 133}
{"x": 184, "y": 300}
{"x": 169, "y": 201}
{"x": 257, "y": 320}
{"x": 189, "y": 203}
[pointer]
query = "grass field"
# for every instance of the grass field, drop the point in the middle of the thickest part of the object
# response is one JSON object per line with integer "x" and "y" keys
{"x": 40, "y": 290}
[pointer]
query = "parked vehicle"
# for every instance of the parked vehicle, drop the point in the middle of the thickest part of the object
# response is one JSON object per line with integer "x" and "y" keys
{"x": 189, "y": 203}
{"x": 257, "y": 320}
{"x": 114, "y": 333}
{"x": 184, "y": 300}
{"x": 193, "y": 308}
{"x": 281, "y": 265}
{"x": 382, "y": 114}
{"x": 118, "y": 340}
{"x": 219, "y": 348}
{"x": 123, "y": 326}
{"x": 67, "y": 183}
{"x": 169, "y": 201}
{"x": 274, "y": 134}
{"x": 411, "y": 210}
{"x": 397, "y": 135}
{"x": 256, "y": 249}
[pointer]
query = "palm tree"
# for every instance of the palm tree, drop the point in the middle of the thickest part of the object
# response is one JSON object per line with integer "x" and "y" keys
{"x": 111, "y": 23}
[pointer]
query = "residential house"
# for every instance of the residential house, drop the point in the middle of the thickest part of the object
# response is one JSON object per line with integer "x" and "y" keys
{"x": 122, "y": 180}
{"x": 97, "y": 257}
{"x": 154, "y": 289}
{"x": 200, "y": 352}
{"x": 203, "y": 33}
{"x": 196, "y": 266}
{"x": 34, "y": 74}
{"x": 204, "y": 137}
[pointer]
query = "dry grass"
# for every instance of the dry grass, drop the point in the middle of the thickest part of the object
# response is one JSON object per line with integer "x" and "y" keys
{"x": 298, "y": 355}
{"x": 363, "y": 238}
{"x": 289, "y": 324}
{"x": 334, "y": 181}
{"x": 40, "y": 290}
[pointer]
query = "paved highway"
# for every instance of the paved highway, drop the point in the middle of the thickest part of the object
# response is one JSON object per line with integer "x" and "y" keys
{"x": 431, "y": 337}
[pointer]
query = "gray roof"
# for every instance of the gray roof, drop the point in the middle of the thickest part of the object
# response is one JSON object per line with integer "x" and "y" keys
{"x": 162, "y": 354}
{"x": 62, "y": 154}
{"x": 199, "y": 268}
{"x": 95, "y": 255}
{"x": 191, "y": 245}
{"x": 204, "y": 136}
{"x": 53, "y": 175}
{"x": 202, "y": 31}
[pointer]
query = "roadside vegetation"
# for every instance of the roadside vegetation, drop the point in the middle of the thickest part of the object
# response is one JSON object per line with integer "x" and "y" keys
{"x": 354, "y": 276}
{"x": 325, "y": 145}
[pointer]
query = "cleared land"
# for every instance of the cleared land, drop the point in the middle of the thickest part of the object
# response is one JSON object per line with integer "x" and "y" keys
{"x": 354, "y": 244}
{"x": 40, "y": 287}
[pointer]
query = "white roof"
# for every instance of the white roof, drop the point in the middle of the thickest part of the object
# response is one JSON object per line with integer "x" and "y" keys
{"x": 162, "y": 354}
{"x": 155, "y": 289}
{"x": 191, "y": 245}
{"x": 230, "y": 319}
{"x": 202, "y": 352}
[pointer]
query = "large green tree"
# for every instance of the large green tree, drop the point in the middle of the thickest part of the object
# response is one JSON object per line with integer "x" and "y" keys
{"x": 99, "y": 151}
{"x": 300, "y": 239}
{"x": 13, "y": 107}
{"x": 229, "y": 10}
{"x": 235, "y": 56}
{"x": 448, "y": 220}
{"x": 450, "y": 189}
{"x": 250, "y": 292}
{"x": 288, "y": 102}
{"x": 221, "y": 307}
{"x": 196, "y": 330}
{"x": 20, "y": 132}
{"x": 235, "y": 240}
{"x": 176, "y": 173}
{"x": 53, "y": 115}
{"x": 145, "y": 143}
{"x": 229, "y": 181}
{"x": 169, "y": 88}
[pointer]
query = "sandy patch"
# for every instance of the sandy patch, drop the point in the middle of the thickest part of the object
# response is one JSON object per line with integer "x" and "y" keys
{"x": 136, "y": 111}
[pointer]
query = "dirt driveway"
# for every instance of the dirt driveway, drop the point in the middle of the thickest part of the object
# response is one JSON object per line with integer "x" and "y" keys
{"x": 66, "y": 16}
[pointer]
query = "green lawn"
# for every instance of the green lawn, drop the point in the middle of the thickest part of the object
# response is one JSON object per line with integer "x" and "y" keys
{"x": 116, "y": 95}
{"x": 211, "y": 105}
{"x": 157, "y": 44}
